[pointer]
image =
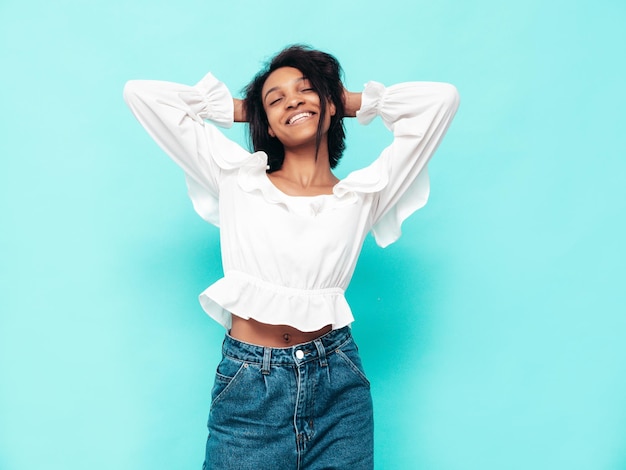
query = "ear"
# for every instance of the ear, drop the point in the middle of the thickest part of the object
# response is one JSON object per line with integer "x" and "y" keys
{"x": 271, "y": 132}
{"x": 331, "y": 108}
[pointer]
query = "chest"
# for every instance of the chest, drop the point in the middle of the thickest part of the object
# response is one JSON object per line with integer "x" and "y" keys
{"x": 295, "y": 227}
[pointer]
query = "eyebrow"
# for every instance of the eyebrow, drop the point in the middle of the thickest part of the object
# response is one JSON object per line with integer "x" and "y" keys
{"x": 301, "y": 79}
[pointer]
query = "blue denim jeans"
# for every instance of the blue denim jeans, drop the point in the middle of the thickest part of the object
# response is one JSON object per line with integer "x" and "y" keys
{"x": 305, "y": 407}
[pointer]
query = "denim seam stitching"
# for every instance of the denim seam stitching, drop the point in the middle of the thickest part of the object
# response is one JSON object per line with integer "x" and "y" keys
{"x": 220, "y": 395}
{"x": 353, "y": 366}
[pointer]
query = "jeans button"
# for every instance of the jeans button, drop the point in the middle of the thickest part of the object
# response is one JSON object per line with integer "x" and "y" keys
{"x": 299, "y": 353}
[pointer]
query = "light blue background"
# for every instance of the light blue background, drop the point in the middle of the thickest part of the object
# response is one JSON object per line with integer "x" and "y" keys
{"x": 493, "y": 331}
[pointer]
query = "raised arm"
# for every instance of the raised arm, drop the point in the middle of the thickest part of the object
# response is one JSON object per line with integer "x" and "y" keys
{"x": 174, "y": 115}
{"x": 418, "y": 114}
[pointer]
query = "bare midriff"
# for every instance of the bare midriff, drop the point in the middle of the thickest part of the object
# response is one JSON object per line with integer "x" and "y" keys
{"x": 273, "y": 336}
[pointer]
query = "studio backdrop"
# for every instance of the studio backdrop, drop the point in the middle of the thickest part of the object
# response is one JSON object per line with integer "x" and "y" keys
{"x": 493, "y": 331}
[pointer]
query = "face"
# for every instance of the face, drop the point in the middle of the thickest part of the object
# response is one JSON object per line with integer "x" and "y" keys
{"x": 293, "y": 107}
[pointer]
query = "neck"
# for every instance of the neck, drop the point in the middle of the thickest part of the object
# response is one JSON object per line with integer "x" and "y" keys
{"x": 303, "y": 174}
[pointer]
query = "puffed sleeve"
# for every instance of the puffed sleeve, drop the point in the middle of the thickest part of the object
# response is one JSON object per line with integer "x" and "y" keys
{"x": 418, "y": 114}
{"x": 174, "y": 115}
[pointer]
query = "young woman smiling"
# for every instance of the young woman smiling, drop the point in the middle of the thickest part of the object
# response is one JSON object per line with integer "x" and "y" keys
{"x": 290, "y": 391}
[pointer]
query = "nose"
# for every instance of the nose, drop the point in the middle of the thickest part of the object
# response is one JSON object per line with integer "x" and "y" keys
{"x": 294, "y": 100}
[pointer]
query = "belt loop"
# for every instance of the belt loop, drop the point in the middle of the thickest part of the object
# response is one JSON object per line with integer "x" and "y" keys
{"x": 267, "y": 356}
{"x": 321, "y": 351}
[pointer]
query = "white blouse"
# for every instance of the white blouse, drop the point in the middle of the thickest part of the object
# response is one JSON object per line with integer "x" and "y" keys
{"x": 289, "y": 259}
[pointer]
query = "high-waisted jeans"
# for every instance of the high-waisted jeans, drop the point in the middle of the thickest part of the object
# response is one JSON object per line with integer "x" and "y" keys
{"x": 305, "y": 407}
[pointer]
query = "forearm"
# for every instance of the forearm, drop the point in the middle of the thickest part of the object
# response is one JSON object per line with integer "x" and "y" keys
{"x": 352, "y": 102}
{"x": 239, "y": 113}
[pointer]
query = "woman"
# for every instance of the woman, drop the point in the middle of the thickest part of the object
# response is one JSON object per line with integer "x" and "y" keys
{"x": 290, "y": 391}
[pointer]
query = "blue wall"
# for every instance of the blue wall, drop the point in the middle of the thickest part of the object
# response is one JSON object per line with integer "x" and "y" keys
{"x": 500, "y": 313}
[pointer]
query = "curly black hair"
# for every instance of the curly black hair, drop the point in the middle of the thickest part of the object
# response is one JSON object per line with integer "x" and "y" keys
{"x": 323, "y": 72}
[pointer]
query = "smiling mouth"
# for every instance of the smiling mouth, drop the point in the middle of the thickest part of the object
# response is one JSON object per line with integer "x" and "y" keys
{"x": 299, "y": 117}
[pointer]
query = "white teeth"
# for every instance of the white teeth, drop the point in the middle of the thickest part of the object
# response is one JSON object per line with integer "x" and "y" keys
{"x": 297, "y": 117}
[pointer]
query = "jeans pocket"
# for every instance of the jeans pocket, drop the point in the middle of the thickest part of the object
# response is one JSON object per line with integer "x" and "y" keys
{"x": 349, "y": 354}
{"x": 227, "y": 373}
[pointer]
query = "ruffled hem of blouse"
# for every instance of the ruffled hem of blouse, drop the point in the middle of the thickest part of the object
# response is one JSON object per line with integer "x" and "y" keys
{"x": 249, "y": 297}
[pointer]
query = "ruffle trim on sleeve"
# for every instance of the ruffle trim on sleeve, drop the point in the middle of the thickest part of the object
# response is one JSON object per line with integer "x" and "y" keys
{"x": 216, "y": 103}
{"x": 375, "y": 178}
{"x": 370, "y": 179}
{"x": 250, "y": 297}
{"x": 371, "y": 102}
{"x": 205, "y": 202}
{"x": 389, "y": 227}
